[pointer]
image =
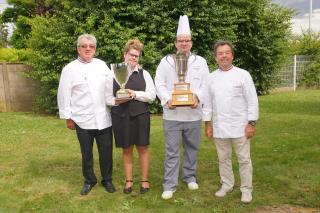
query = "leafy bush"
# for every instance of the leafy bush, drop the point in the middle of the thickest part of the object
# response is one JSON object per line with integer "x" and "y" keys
{"x": 311, "y": 76}
{"x": 155, "y": 107}
{"x": 308, "y": 44}
{"x": 13, "y": 55}
{"x": 249, "y": 24}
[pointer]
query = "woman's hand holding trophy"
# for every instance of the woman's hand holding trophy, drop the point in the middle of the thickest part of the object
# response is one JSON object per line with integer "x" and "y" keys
{"x": 121, "y": 75}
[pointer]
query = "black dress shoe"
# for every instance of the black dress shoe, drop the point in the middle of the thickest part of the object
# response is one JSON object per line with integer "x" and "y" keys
{"x": 109, "y": 187}
{"x": 86, "y": 188}
{"x": 128, "y": 190}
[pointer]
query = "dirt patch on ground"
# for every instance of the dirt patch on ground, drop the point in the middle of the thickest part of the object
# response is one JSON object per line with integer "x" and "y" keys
{"x": 286, "y": 209}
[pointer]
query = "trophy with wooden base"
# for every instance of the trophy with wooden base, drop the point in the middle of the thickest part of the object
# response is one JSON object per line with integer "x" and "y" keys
{"x": 182, "y": 95}
{"x": 121, "y": 76}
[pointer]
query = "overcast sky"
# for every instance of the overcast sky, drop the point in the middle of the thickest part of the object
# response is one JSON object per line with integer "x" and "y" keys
{"x": 302, "y": 6}
{"x": 299, "y": 23}
{"x": 2, "y": 4}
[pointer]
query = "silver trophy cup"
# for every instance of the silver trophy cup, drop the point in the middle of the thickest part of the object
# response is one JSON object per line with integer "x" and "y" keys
{"x": 181, "y": 64}
{"x": 121, "y": 71}
{"x": 181, "y": 96}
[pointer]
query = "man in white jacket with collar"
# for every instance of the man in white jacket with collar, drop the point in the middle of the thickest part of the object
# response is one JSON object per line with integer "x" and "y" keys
{"x": 181, "y": 124}
{"x": 230, "y": 113}
{"x": 82, "y": 98}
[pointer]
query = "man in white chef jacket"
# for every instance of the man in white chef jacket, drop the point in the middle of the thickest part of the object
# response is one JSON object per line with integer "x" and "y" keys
{"x": 230, "y": 113}
{"x": 82, "y": 103}
{"x": 181, "y": 124}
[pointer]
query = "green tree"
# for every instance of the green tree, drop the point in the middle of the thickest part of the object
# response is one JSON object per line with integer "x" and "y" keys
{"x": 262, "y": 33}
{"x": 250, "y": 24}
{"x": 19, "y": 13}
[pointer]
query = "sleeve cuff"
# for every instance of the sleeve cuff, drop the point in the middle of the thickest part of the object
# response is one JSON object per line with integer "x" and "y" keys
{"x": 64, "y": 115}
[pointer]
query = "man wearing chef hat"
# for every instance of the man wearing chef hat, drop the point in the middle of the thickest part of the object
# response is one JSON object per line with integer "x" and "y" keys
{"x": 181, "y": 124}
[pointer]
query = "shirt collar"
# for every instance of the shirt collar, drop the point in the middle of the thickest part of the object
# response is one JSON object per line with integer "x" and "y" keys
{"x": 136, "y": 69}
{"x": 230, "y": 68}
{"x": 83, "y": 61}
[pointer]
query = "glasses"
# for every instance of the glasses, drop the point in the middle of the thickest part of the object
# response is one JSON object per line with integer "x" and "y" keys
{"x": 90, "y": 46}
{"x": 134, "y": 55}
{"x": 183, "y": 41}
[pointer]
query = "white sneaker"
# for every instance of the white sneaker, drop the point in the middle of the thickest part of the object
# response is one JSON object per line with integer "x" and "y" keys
{"x": 222, "y": 192}
{"x": 193, "y": 186}
{"x": 246, "y": 197}
{"x": 167, "y": 195}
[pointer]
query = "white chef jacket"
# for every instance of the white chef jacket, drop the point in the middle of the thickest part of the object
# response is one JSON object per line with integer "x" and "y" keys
{"x": 144, "y": 96}
{"x": 165, "y": 78}
{"x": 231, "y": 101}
{"x": 82, "y": 94}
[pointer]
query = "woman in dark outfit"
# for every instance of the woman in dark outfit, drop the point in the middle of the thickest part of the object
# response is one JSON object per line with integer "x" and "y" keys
{"x": 131, "y": 119}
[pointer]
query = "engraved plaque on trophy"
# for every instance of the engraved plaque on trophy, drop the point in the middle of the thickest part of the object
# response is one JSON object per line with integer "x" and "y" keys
{"x": 121, "y": 76}
{"x": 182, "y": 95}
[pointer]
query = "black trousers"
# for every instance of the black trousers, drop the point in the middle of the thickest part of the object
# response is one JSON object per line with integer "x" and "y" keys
{"x": 104, "y": 144}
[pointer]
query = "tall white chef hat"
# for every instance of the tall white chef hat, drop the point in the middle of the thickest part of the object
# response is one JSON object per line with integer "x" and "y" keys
{"x": 183, "y": 27}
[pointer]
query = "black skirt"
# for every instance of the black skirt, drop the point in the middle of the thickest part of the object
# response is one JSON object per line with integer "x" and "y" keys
{"x": 131, "y": 130}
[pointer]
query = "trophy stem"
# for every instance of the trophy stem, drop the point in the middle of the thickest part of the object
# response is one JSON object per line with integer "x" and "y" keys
{"x": 181, "y": 96}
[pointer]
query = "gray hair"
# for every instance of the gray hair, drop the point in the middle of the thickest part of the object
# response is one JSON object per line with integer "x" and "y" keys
{"x": 87, "y": 36}
{"x": 222, "y": 43}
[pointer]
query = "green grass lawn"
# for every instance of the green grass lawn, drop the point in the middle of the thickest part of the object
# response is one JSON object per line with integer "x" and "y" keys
{"x": 40, "y": 165}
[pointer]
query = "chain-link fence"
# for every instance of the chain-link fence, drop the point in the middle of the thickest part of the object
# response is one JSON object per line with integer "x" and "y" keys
{"x": 289, "y": 75}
